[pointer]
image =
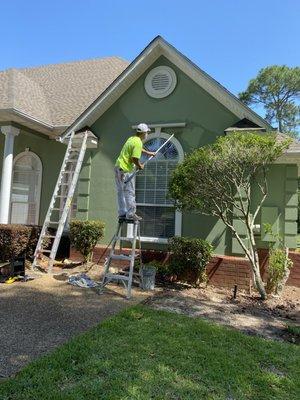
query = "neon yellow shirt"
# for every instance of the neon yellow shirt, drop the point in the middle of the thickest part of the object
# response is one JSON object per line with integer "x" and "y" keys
{"x": 132, "y": 148}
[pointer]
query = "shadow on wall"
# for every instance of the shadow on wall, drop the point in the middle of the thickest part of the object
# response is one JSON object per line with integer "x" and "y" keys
{"x": 209, "y": 228}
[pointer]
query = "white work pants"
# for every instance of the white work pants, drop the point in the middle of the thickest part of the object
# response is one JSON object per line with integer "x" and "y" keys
{"x": 125, "y": 193}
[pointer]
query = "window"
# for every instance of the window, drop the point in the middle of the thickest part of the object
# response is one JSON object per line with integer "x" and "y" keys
{"x": 26, "y": 189}
{"x": 160, "y": 219}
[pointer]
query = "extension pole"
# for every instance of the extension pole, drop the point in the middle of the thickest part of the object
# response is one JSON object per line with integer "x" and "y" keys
{"x": 150, "y": 158}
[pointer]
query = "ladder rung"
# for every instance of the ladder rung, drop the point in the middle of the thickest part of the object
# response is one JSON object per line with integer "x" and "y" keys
{"x": 127, "y": 239}
{"x": 116, "y": 277}
{"x": 49, "y": 236}
{"x": 68, "y": 172}
{"x": 62, "y": 196}
{"x": 45, "y": 251}
{"x": 55, "y": 209}
{"x": 121, "y": 257}
{"x": 53, "y": 222}
{"x": 64, "y": 184}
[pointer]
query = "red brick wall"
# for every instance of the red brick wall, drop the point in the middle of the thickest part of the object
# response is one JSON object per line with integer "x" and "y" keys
{"x": 226, "y": 271}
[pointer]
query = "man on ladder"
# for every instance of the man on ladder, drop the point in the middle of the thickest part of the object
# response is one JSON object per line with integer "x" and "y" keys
{"x": 129, "y": 159}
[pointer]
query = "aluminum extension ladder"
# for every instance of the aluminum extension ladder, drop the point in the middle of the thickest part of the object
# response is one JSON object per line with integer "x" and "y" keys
{"x": 125, "y": 278}
{"x": 61, "y": 200}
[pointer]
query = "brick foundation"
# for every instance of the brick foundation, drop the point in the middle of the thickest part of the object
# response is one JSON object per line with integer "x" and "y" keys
{"x": 225, "y": 271}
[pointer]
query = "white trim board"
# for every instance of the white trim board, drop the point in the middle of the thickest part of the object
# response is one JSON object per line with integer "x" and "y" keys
{"x": 159, "y": 47}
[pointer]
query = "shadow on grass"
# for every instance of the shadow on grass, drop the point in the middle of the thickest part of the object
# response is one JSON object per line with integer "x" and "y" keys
{"x": 36, "y": 318}
{"x": 147, "y": 354}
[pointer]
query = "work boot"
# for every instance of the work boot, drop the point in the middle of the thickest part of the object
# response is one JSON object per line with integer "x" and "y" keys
{"x": 134, "y": 217}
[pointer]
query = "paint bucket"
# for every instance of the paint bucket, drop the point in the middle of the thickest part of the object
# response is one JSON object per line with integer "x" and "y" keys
{"x": 147, "y": 274}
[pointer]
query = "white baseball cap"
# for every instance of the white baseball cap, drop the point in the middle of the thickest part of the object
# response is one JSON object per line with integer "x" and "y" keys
{"x": 143, "y": 128}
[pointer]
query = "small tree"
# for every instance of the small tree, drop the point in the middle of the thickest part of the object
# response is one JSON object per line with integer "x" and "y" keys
{"x": 277, "y": 88}
{"x": 218, "y": 180}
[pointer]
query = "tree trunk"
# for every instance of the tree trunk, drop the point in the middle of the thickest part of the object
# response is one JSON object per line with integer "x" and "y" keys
{"x": 258, "y": 282}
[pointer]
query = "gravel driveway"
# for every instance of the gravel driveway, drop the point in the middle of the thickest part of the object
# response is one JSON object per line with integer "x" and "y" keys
{"x": 39, "y": 315}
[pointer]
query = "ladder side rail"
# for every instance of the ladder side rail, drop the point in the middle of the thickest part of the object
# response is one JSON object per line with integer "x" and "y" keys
{"x": 68, "y": 202}
{"x": 53, "y": 199}
{"x": 132, "y": 261}
{"x": 111, "y": 253}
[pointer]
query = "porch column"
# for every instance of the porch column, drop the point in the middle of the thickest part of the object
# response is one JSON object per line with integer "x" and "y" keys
{"x": 7, "y": 168}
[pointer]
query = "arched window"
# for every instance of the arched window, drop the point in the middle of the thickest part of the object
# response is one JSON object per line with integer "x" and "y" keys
{"x": 26, "y": 189}
{"x": 160, "y": 219}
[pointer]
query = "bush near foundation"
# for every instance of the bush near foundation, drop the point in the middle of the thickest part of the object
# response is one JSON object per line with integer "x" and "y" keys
{"x": 189, "y": 258}
{"x": 85, "y": 235}
{"x": 18, "y": 240}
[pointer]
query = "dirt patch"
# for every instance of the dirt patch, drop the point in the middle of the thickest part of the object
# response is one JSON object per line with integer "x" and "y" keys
{"x": 39, "y": 315}
{"x": 269, "y": 319}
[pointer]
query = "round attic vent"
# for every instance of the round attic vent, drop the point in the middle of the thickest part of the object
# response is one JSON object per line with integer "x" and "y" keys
{"x": 160, "y": 82}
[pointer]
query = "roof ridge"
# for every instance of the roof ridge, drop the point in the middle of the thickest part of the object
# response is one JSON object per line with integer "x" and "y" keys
{"x": 34, "y": 85}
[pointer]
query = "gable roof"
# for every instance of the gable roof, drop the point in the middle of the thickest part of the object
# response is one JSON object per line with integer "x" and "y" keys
{"x": 155, "y": 49}
{"x": 50, "y": 97}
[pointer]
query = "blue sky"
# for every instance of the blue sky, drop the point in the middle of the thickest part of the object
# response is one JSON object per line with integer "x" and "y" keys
{"x": 230, "y": 39}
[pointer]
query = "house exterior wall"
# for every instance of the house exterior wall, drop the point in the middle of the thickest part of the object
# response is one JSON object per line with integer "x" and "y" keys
{"x": 205, "y": 120}
{"x": 51, "y": 154}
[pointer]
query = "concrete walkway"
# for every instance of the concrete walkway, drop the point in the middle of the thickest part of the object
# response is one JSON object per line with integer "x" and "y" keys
{"x": 37, "y": 316}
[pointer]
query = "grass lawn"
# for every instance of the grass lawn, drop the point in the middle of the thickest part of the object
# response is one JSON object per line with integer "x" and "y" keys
{"x": 147, "y": 354}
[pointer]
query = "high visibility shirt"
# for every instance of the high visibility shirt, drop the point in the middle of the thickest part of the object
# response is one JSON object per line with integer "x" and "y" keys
{"x": 131, "y": 149}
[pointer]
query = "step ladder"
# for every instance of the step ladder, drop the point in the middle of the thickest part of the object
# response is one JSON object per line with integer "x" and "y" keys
{"x": 61, "y": 200}
{"x": 124, "y": 277}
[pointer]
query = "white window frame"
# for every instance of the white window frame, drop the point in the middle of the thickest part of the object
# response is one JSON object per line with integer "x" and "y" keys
{"x": 178, "y": 214}
{"x": 39, "y": 182}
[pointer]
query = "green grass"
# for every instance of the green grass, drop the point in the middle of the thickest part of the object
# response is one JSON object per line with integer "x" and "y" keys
{"x": 147, "y": 354}
{"x": 294, "y": 330}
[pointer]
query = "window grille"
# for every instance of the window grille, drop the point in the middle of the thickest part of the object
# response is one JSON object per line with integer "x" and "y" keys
{"x": 152, "y": 185}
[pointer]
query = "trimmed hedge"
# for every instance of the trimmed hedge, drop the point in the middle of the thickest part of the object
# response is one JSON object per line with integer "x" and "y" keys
{"x": 84, "y": 236}
{"x": 189, "y": 258}
{"x": 18, "y": 240}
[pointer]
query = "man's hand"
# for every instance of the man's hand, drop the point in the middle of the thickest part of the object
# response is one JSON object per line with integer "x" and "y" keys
{"x": 149, "y": 153}
{"x": 141, "y": 166}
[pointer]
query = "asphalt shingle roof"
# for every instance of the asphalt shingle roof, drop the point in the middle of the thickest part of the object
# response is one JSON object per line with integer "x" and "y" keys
{"x": 57, "y": 94}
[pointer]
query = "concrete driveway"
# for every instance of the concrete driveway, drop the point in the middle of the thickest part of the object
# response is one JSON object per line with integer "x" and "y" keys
{"x": 39, "y": 315}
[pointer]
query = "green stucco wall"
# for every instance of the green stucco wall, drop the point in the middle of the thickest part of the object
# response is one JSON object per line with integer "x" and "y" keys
{"x": 205, "y": 119}
{"x": 51, "y": 154}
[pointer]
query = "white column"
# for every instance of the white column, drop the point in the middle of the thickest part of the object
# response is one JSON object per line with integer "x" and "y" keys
{"x": 7, "y": 168}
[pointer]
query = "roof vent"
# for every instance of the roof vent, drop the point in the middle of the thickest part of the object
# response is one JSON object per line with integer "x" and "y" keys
{"x": 160, "y": 82}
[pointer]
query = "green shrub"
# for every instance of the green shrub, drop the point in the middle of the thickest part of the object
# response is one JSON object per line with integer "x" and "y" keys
{"x": 85, "y": 235}
{"x": 18, "y": 240}
{"x": 279, "y": 262}
{"x": 189, "y": 258}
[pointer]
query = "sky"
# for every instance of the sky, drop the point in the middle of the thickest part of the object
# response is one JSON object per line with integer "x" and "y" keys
{"x": 229, "y": 39}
